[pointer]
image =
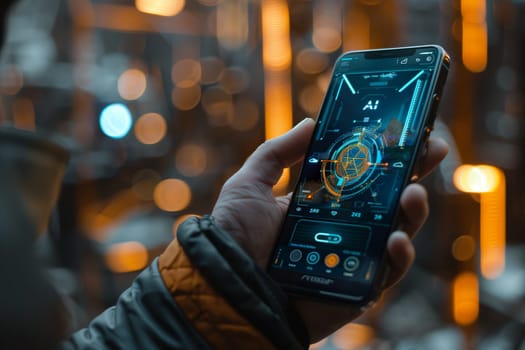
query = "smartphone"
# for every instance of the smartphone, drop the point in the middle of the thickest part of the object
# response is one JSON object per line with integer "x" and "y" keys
{"x": 372, "y": 127}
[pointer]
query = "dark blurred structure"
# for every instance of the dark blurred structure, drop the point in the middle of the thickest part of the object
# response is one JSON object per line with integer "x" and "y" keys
{"x": 170, "y": 100}
{"x": 32, "y": 170}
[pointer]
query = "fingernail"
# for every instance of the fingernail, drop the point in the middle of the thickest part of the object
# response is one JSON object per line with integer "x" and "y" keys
{"x": 302, "y": 122}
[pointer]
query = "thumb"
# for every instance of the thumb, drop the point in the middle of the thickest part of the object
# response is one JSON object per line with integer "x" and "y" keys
{"x": 267, "y": 162}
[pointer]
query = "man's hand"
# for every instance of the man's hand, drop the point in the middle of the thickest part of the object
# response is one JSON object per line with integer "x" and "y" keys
{"x": 247, "y": 209}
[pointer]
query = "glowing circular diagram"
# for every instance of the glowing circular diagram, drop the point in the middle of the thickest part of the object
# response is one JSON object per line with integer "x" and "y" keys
{"x": 351, "y": 165}
{"x": 352, "y": 162}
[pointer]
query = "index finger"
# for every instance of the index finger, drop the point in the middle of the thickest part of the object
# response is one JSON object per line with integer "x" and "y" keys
{"x": 436, "y": 150}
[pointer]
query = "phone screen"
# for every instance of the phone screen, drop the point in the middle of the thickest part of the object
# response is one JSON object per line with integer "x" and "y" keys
{"x": 367, "y": 137}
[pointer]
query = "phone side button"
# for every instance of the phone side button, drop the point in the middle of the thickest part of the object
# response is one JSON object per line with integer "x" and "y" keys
{"x": 433, "y": 109}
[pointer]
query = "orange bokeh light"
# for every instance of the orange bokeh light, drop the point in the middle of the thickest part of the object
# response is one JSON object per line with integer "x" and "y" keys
{"x": 172, "y": 195}
{"x": 132, "y": 84}
{"x": 166, "y": 8}
{"x": 191, "y": 160}
{"x": 150, "y": 128}
{"x": 126, "y": 257}
{"x": 186, "y": 98}
{"x": 277, "y": 51}
{"x": 465, "y": 301}
{"x": 490, "y": 182}
{"x": 186, "y": 73}
{"x": 477, "y": 178}
{"x": 464, "y": 248}
{"x": 475, "y": 37}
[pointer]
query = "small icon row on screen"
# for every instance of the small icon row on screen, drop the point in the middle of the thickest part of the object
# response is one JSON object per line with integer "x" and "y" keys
{"x": 331, "y": 260}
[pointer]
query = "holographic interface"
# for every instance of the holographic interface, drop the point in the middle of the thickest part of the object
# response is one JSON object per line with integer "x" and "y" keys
{"x": 364, "y": 143}
{"x": 359, "y": 160}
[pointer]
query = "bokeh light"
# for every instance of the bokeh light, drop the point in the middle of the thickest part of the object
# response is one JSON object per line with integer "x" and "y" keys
{"x": 186, "y": 98}
{"x": 476, "y": 179}
{"x": 166, "y": 8}
{"x": 218, "y": 105}
{"x": 464, "y": 248}
{"x": 191, "y": 160}
{"x": 172, "y": 195}
{"x": 232, "y": 24}
{"x": 327, "y": 39}
{"x": 234, "y": 80}
{"x": 310, "y": 99}
{"x": 132, "y": 84}
{"x": 465, "y": 303}
{"x": 115, "y": 120}
{"x": 277, "y": 51}
{"x": 127, "y": 257}
{"x": 150, "y": 128}
{"x": 211, "y": 69}
{"x": 186, "y": 73}
{"x": 246, "y": 115}
{"x": 311, "y": 61}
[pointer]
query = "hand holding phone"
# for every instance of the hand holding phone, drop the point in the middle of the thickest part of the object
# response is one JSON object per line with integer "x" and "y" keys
{"x": 247, "y": 209}
{"x": 374, "y": 122}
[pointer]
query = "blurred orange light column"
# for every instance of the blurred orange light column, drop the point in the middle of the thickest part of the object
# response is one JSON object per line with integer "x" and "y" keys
{"x": 489, "y": 182}
{"x": 277, "y": 51}
{"x": 277, "y": 58}
{"x": 356, "y": 39}
{"x": 474, "y": 41}
{"x": 465, "y": 298}
{"x": 492, "y": 231}
{"x": 327, "y": 25}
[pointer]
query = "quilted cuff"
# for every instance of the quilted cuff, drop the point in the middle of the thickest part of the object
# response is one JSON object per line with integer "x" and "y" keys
{"x": 248, "y": 289}
{"x": 208, "y": 312}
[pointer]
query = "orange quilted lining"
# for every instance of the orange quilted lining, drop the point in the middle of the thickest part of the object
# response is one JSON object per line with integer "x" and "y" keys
{"x": 210, "y": 314}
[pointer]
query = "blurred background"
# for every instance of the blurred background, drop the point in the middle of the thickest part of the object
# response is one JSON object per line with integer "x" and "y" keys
{"x": 160, "y": 101}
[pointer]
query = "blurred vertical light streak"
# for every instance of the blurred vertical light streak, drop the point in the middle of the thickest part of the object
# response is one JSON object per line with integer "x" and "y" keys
{"x": 327, "y": 25}
{"x": 492, "y": 230}
{"x": 232, "y": 23}
{"x": 490, "y": 183}
{"x": 356, "y": 32}
{"x": 474, "y": 38}
{"x": 465, "y": 298}
{"x": 277, "y": 58}
{"x": 277, "y": 51}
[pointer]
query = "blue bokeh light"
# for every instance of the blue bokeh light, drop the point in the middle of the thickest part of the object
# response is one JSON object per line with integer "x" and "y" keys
{"x": 115, "y": 120}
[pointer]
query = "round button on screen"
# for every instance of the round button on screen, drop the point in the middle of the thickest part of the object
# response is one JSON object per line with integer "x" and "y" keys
{"x": 351, "y": 263}
{"x": 331, "y": 260}
{"x": 312, "y": 258}
{"x": 296, "y": 255}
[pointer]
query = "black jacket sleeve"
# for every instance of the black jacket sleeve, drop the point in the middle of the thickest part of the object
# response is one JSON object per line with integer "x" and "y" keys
{"x": 144, "y": 317}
